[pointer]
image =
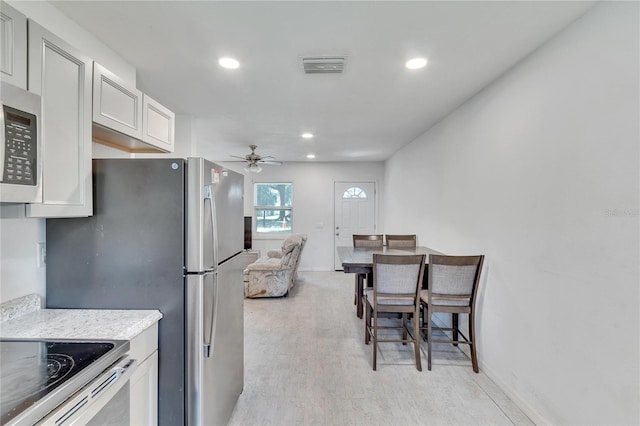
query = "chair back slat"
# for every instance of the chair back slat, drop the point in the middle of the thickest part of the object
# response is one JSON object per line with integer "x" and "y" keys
{"x": 401, "y": 241}
{"x": 371, "y": 241}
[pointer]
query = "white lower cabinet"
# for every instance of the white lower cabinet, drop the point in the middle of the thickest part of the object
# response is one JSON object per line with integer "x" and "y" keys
{"x": 143, "y": 407}
{"x": 144, "y": 393}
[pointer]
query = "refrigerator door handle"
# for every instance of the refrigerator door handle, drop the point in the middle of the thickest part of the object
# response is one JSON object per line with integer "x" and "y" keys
{"x": 214, "y": 223}
{"x": 209, "y": 335}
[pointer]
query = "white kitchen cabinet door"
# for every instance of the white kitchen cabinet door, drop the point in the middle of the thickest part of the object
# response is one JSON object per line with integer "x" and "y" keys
{"x": 143, "y": 404}
{"x": 158, "y": 124}
{"x": 116, "y": 104}
{"x": 13, "y": 46}
{"x": 62, "y": 76}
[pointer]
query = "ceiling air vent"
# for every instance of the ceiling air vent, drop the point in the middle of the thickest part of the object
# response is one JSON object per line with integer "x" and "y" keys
{"x": 324, "y": 65}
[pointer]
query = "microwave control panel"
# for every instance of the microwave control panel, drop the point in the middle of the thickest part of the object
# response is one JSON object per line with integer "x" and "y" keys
{"x": 20, "y": 148}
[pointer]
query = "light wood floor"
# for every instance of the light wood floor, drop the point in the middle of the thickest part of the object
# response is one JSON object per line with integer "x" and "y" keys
{"x": 306, "y": 364}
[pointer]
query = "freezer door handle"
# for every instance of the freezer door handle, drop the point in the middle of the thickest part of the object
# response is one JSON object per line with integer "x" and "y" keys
{"x": 214, "y": 227}
{"x": 209, "y": 334}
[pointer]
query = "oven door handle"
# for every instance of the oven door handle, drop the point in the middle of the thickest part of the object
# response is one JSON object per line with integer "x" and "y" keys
{"x": 88, "y": 402}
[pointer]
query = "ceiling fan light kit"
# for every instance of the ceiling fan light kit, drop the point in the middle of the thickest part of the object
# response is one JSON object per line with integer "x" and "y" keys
{"x": 253, "y": 168}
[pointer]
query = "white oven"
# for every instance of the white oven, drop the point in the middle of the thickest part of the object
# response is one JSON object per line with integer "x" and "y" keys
{"x": 104, "y": 401}
{"x": 65, "y": 382}
{"x": 20, "y": 146}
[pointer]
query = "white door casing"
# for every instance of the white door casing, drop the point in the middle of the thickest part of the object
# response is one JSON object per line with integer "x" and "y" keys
{"x": 354, "y": 213}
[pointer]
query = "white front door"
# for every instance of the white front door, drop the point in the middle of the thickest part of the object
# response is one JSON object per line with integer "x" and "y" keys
{"x": 354, "y": 213}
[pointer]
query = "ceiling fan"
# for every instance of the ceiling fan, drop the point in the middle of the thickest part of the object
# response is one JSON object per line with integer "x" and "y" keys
{"x": 254, "y": 160}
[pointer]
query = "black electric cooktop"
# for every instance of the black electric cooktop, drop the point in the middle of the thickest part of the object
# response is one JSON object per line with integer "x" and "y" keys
{"x": 36, "y": 376}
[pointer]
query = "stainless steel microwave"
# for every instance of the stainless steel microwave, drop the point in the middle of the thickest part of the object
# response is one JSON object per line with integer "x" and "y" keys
{"x": 21, "y": 145}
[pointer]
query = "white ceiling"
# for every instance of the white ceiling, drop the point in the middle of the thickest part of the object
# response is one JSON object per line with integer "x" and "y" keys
{"x": 365, "y": 114}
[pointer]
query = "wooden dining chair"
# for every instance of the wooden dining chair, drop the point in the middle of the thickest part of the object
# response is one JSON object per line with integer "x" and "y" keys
{"x": 453, "y": 285}
{"x": 396, "y": 285}
{"x": 363, "y": 240}
{"x": 401, "y": 241}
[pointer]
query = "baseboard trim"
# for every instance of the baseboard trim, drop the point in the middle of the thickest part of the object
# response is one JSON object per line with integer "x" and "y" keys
{"x": 526, "y": 408}
{"x": 530, "y": 412}
{"x": 316, "y": 269}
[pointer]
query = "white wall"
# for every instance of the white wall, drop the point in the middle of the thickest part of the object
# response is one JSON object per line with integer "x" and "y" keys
{"x": 540, "y": 172}
{"x": 19, "y": 236}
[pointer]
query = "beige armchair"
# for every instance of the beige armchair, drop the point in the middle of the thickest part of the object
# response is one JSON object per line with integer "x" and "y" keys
{"x": 274, "y": 275}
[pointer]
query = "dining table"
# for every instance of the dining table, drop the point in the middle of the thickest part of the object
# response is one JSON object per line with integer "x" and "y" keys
{"x": 359, "y": 261}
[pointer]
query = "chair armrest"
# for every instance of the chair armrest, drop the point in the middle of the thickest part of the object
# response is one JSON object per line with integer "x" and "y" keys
{"x": 274, "y": 254}
{"x": 266, "y": 266}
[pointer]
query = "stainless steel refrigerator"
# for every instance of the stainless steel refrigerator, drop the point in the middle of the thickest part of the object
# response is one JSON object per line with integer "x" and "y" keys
{"x": 166, "y": 234}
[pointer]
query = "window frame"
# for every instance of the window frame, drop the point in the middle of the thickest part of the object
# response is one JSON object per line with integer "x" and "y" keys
{"x": 260, "y": 208}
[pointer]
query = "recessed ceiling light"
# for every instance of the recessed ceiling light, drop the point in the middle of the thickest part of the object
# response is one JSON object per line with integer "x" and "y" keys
{"x": 311, "y": 156}
{"x": 416, "y": 63}
{"x": 227, "y": 62}
{"x": 307, "y": 135}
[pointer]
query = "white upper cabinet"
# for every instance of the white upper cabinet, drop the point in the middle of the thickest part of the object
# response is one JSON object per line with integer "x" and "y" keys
{"x": 126, "y": 118}
{"x": 62, "y": 76}
{"x": 158, "y": 124}
{"x": 13, "y": 46}
{"x": 116, "y": 105}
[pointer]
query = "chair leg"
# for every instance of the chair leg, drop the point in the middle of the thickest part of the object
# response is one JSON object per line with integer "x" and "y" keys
{"x": 359, "y": 294}
{"x": 404, "y": 329}
{"x": 428, "y": 317}
{"x": 454, "y": 325}
{"x": 416, "y": 338}
{"x": 367, "y": 320}
{"x": 423, "y": 328}
{"x": 472, "y": 344}
{"x": 375, "y": 339}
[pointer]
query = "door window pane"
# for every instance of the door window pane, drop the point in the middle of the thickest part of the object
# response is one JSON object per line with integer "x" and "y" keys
{"x": 354, "y": 192}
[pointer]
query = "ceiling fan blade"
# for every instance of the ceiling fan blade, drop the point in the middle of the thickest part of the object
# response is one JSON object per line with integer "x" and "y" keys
{"x": 233, "y": 161}
{"x": 254, "y": 158}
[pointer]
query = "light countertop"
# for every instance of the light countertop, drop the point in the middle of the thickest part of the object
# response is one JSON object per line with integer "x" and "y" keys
{"x": 36, "y": 323}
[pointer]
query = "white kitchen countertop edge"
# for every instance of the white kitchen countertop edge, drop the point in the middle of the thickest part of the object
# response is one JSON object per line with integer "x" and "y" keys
{"x": 79, "y": 324}
{"x": 20, "y": 306}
